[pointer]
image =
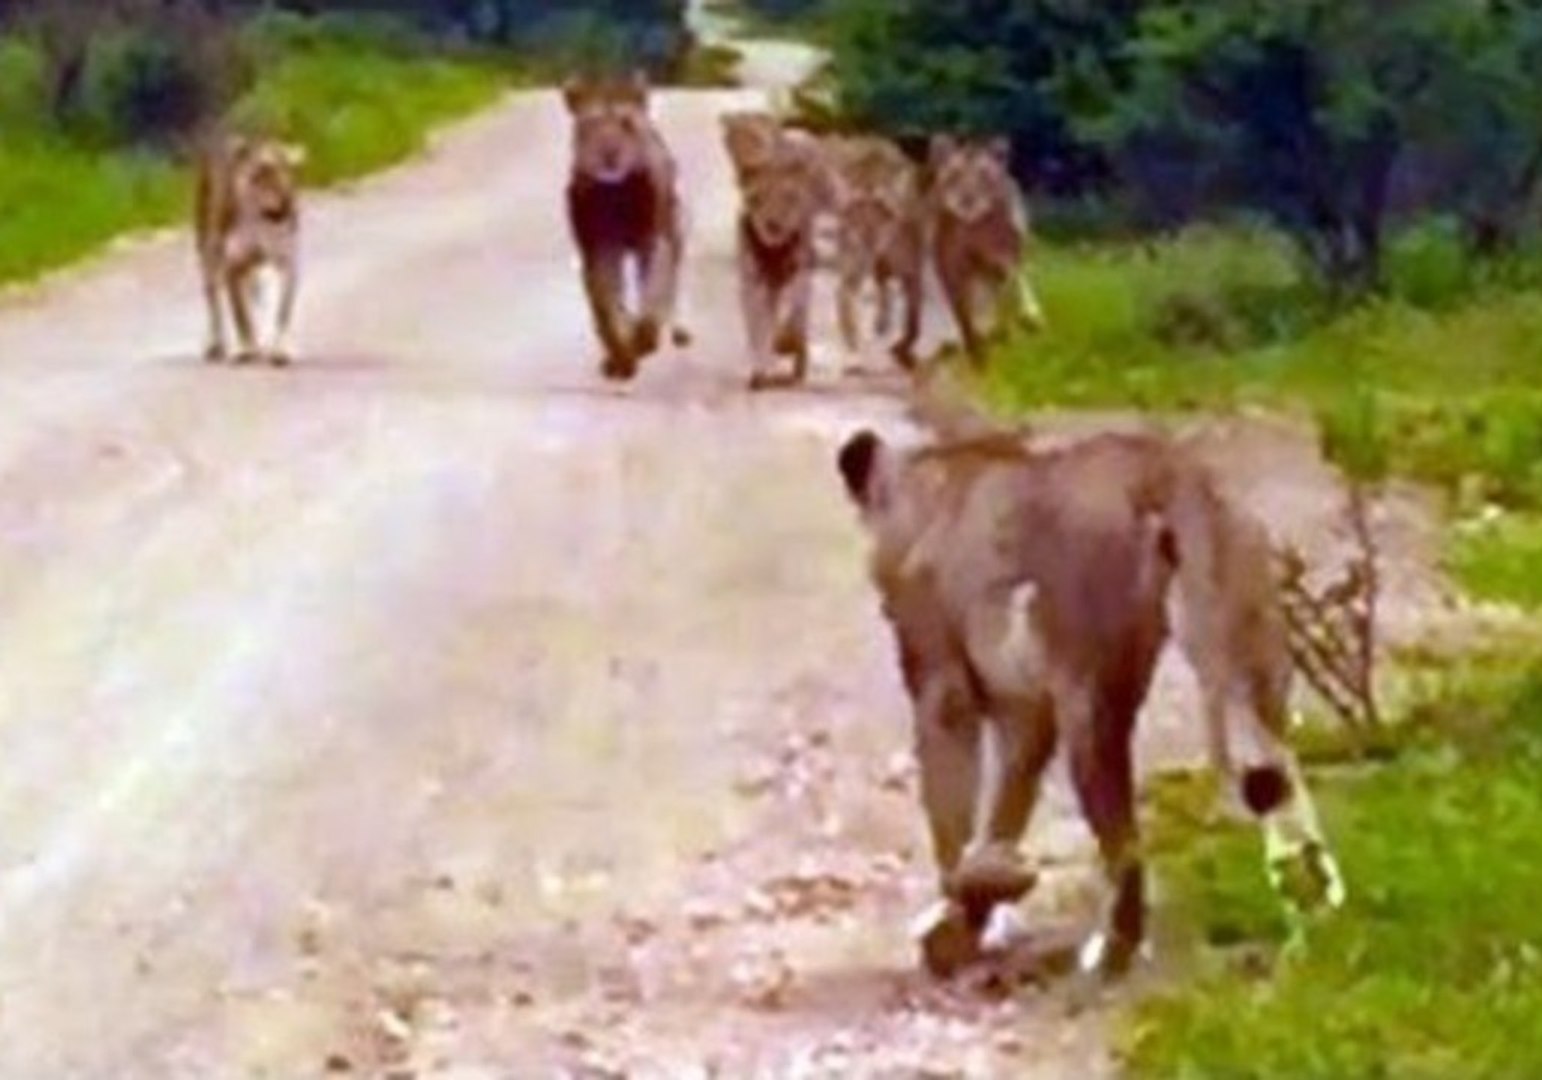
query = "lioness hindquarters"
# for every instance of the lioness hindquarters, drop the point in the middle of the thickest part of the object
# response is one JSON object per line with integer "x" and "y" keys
{"x": 1028, "y": 592}
{"x": 246, "y": 224}
{"x": 624, "y": 208}
{"x": 1026, "y": 595}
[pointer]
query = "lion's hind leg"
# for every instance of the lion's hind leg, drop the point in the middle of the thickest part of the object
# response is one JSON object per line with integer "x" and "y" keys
{"x": 1102, "y": 771}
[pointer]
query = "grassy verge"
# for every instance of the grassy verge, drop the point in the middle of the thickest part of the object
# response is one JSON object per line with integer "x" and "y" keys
{"x": 1435, "y": 967}
{"x": 1436, "y": 381}
{"x": 358, "y": 101}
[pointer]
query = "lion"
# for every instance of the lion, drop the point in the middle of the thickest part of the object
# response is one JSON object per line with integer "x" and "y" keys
{"x": 880, "y": 239}
{"x": 753, "y": 136}
{"x": 1028, "y": 591}
{"x": 246, "y": 221}
{"x": 780, "y": 203}
{"x": 624, "y": 204}
{"x": 979, "y": 228}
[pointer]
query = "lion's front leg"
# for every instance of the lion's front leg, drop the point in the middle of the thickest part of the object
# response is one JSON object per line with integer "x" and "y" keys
{"x": 758, "y": 301}
{"x": 794, "y": 337}
{"x": 241, "y": 289}
{"x": 904, "y": 351}
{"x": 278, "y": 339}
{"x": 216, "y": 344}
{"x": 604, "y": 281}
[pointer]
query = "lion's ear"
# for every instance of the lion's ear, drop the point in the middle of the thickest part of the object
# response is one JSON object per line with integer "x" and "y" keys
{"x": 635, "y": 87}
{"x": 295, "y": 155}
{"x": 1000, "y": 148}
{"x": 576, "y": 92}
{"x": 859, "y": 461}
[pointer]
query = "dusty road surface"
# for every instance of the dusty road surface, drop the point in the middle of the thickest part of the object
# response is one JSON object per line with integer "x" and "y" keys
{"x": 434, "y": 709}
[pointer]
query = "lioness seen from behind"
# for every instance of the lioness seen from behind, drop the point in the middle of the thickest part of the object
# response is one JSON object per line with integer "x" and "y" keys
{"x": 1028, "y": 593}
{"x": 246, "y": 221}
{"x": 624, "y": 208}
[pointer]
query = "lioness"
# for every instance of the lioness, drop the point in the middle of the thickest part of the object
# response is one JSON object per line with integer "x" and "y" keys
{"x": 753, "y": 136}
{"x": 979, "y": 226}
{"x": 780, "y": 203}
{"x": 880, "y": 239}
{"x": 246, "y": 220}
{"x": 623, "y": 203}
{"x": 1027, "y": 591}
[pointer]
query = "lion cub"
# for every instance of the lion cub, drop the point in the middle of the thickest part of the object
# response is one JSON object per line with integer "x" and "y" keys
{"x": 979, "y": 239}
{"x": 246, "y": 220}
{"x": 624, "y": 206}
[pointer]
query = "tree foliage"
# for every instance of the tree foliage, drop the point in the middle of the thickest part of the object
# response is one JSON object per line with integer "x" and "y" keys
{"x": 1333, "y": 119}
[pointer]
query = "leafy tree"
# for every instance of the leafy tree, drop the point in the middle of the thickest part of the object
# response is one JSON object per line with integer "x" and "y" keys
{"x": 1334, "y": 117}
{"x": 1023, "y": 68}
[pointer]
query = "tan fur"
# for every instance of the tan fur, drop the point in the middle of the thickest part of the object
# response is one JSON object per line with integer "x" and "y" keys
{"x": 979, "y": 228}
{"x": 753, "y": 137}
{"x": 880, "y": 239}
{"x": 624, "y": 208}
{"x": 1028, "y": 592}
{"x": 245, "y": 220}
{"x": 780, "y": 204}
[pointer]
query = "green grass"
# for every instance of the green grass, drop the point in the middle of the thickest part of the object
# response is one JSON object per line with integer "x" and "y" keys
{"x": 357, "y": 100}
{"x": 1433, "y": 969}
{"x": 1437, "y": 381}
{"x": 62, "y": 202}
{"x": 1499, "y": 559}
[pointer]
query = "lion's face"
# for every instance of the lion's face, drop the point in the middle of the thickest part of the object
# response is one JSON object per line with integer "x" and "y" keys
{"x": 610, "y": 127}
{"x": 780, "y": 200}
{"x": 971, "y": 176}
{"x": 751, "y": 139}
{"x": 263, "y": 178}
{"x": 870, "y": 226}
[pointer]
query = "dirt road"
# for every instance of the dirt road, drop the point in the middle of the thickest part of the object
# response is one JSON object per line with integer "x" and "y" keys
{"x": 434, "y": 706}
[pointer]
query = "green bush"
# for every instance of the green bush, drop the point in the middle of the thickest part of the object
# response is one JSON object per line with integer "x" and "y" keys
{"x": 1446, "y": 393}
{"x": 23, "y": 90}
{"x": 1429, "y": 265}
{"x": 142, "y": 84}
{"x": 356, "y": 109}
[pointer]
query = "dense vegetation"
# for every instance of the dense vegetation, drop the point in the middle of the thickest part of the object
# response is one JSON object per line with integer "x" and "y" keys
{"x": 1334, "y": 120}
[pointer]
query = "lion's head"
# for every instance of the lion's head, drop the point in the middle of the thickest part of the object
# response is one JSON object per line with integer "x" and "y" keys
{"x": 264, "y": 176}
{"x": 751, "y": 137}
{"x": 970, "y": 176}
{"x": 610, "y": 126}
{"x": 781, "y": 199}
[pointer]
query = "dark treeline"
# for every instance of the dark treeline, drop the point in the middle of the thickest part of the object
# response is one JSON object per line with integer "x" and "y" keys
{"x": 156, "y": 70}
{"x": 1334, "y": 119}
